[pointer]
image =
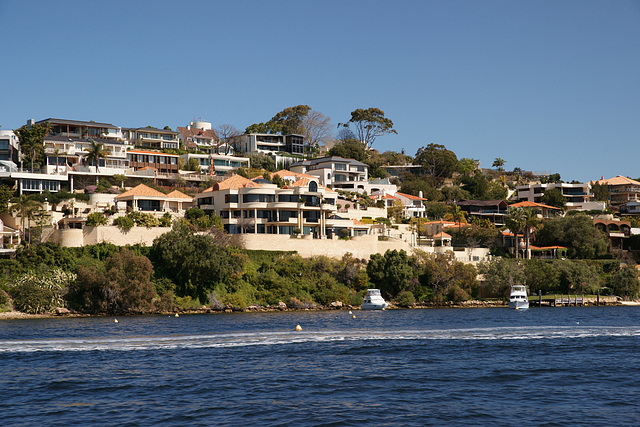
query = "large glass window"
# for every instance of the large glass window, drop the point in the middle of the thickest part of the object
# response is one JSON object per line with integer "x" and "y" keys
{"x": 231, "y": 198}
{"x": 149, "y": 205}
{"x": 259, "y": 198}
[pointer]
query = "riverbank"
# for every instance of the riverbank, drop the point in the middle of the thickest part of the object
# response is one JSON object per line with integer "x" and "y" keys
{"x": 62, "y": 312}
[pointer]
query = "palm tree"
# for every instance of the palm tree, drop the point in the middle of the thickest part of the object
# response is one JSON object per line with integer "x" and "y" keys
{"x": 499, "y": 163}
{"x": 95, "y": 153}
{"x": 457, "y": 214}
{"x": 26, "y": 209}
{"x": 516, "y": 221}
{"x": 531, "y": 223}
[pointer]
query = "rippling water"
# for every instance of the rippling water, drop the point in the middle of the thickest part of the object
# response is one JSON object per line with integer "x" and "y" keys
{"x": 543, "y": 366}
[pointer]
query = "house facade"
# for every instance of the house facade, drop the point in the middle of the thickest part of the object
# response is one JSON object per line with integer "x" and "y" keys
{"x": 493, "y": 210}
{"x": 149, "y": 137}
{"x": 161, "y": 162}
{"x": 217, "y": 164}
{"x": 621, "y": 190}
{"x": 271, "y": 143}
{"x": 260, "y": 207}
{"x": 199, "y": 135}
{"x": 578, "y": 196}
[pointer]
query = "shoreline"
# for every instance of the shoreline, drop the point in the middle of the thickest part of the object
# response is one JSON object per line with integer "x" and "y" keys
{"x": 14, "y": 315}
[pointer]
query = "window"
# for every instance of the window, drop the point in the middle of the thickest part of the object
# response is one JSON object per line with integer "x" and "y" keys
{"x": 174, "y": 160}
{"x": 152, "y": 159}
{"x": 340, "y": 167}
{"x": 313, "y": 186}
{"x": 258, "y": 198}
{"x": 162, "y": 159}
{"x": 231, "y": 198}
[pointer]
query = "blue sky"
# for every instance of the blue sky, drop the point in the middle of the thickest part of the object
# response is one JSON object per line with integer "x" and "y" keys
{"x": 546, "y": 85}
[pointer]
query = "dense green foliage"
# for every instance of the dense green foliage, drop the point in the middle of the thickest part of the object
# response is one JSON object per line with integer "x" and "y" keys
{"x": 575, "y": 232}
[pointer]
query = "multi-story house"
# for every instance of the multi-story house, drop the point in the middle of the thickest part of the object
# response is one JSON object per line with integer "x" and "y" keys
{"x": 153, "y": 160}
{"x": 412, "y": 206}
{"x": 149, "y": 137}
{"x": 260, "y": 207}
{"x": 621, "y": 189}
{"x": 578, "y": 196}
{"x": 217, "y": 164}
{"x": 199, "y": 135}
{"x": 271, "y": 143}
{"x": 342, "y": 174}
{"x": 493, "y": 210}
{"x": 9, "y": 149}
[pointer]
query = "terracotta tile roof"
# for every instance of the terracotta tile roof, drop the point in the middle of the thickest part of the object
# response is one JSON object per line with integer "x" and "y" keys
{"x": 528, "y": 204}
{"x": 616, "y": 180}
{"x": 175, "y": 194}
{"x": 141, "y": 190}
{"x": 542, "y": 248}
{"x": 234, "y": 181}
{"x": 358, "y": 222}
{"x": 286, "y": 173}
{"x": 384, "y": 197}
{"x": 410, "y": 197}
{"x": 442, "y": 235}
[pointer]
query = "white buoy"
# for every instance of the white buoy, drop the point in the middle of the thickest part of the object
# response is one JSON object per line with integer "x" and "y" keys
{"x": 298, "y": 328}
{"x": 115, "y": 320}
{"x": 177, "y": 315}
{"x": 350, "y": 312}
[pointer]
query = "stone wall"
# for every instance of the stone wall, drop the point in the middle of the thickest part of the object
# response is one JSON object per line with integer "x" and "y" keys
{"x": 360, "y": 247}
{"x": 107, "y": 234}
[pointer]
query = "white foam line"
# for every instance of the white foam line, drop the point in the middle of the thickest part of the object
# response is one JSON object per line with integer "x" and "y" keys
{"x": 284, "y": 338}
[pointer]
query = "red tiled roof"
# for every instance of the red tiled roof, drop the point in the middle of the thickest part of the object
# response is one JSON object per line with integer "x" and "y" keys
{"x": 141, "y": 190}
{"x": 527, "y": 204}
{"x": 175, "y": 194}
{"x": 410, "y": 197}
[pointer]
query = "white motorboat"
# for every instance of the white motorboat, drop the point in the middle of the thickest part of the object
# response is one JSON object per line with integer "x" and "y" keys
{"x": 518, "y": 298}
{"x": 374, "y": 301}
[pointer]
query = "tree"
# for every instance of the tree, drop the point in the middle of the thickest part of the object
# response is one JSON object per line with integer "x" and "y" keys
{"x": 600, "y": 192}
{"x": 26, "y": 208}
{"x": 499, "y": 164}
{"x": 286, "y": 122}
{"x": 96, "y": 152}
{"x": 369, "y": 124}
{"x": 499, "y": 275}
{"x": 457, "y": 214}
{"x": 466, "y": 166}
{"x": 6, "y": 193}
{"x": 317, "y": 128}
{"x": 554, "y": 197}
{"x": 96, "y": 218}
{"x": 229, "y": 135}
{"x": 516, "y": 221}
{"x": 577, "y": 233}
{"x": 625, "y": 282}
{"x": 31, "y": 140}
{"x": 196, "y": 263}
{"x": 391, "y": 273}
{"x": 437, "y": 161}
{"x": 349, "y": 149}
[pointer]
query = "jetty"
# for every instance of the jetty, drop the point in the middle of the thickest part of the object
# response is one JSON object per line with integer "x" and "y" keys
{"x": 572, "y": 300}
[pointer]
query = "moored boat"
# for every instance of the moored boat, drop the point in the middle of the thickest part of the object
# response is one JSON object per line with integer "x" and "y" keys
{"x": 374, "y": 301}
{"x": 518, "y": 298}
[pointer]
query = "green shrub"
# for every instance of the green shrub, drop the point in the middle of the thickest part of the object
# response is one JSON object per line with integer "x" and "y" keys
{"x": 96, "y": 218}
{"x": 40, "y": 293}
{"x": 405, "y": 299}
{"x": 124, "y": 223}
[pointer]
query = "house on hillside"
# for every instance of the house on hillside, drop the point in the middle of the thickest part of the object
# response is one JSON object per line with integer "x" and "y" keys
{"x": 578, "y": 196}
{"x": 150, "y": 137}
{"x": 260, "y": 207}
{"x": 492, "y": 210}
{"x": 621, "y": 190}
{"x": 544, "y": 211}
{"x": 146, "y": 199}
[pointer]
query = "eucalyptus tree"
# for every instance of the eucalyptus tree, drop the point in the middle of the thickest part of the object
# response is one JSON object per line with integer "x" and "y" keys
{"x": 369, "y": 124}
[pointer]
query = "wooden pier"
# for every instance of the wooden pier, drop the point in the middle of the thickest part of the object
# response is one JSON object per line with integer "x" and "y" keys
{"x": 562, "y": 300}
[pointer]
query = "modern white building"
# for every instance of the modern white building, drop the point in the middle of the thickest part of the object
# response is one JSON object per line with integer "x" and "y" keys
{"x": 343, "y": 174}
{"x": 578, "y": 196}
{"x": 217, "y": 164}
{"x": 271, "y": 143}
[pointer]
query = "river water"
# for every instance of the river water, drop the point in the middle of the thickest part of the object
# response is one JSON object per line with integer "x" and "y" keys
{"x": 542, "y": 366}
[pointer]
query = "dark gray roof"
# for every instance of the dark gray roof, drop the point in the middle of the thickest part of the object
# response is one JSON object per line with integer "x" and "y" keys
{"x": 77, "y": 123}
{"x": 480, "y": 202}
{"x": 64, "y": 138}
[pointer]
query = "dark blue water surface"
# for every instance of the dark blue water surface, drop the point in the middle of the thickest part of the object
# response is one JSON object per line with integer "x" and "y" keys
{"x": 542, "y": 366}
